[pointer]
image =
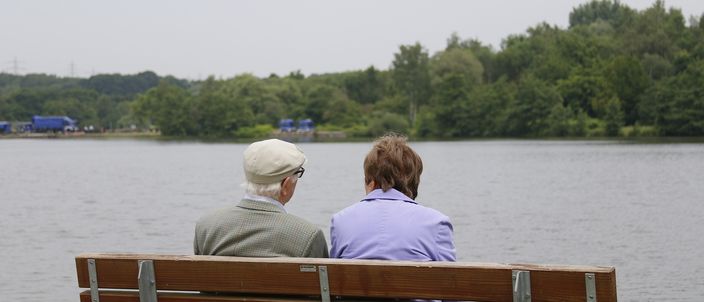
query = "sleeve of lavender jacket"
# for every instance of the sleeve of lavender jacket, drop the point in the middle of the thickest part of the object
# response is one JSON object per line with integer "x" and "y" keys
{"x": 334, "y": 244}
{"x": 444, "y": 241}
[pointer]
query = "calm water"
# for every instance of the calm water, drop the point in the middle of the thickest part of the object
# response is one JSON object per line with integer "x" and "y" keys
{"x": 634, "y": 206}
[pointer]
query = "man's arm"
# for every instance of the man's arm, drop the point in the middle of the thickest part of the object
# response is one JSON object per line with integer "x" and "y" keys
{"x": 317, "y": 247}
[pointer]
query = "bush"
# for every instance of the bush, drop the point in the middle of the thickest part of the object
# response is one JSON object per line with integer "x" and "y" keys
{"x": 426, "y": 125}
{"x": 357, "y": 130}
{"x": 258, "y": 131}
{"x": 328, "y": 127}
{"x": 595, "y": 127}
{"x": 638, "y": 131}
{"x": 381, "y": 123}
{"x": 647, "y": 131}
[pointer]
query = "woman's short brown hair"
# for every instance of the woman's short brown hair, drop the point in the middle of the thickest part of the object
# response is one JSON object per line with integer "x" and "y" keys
{"x": 393, "y": 164}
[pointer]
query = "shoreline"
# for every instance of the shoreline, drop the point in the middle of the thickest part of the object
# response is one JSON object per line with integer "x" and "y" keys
{"x": 339, "y": 139}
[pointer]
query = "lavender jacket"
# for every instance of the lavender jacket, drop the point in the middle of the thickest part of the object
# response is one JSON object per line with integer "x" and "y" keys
{"x": 391, "y": 226}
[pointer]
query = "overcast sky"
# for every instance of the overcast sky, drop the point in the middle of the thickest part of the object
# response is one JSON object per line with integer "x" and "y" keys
{"x": 194, "y": 39}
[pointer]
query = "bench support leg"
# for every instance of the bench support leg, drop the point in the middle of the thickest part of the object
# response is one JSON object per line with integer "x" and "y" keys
{"x": 93, "y": 276}
{"x": 590, "y": 284}
{"x": 324, "y": 286}
{"x": 147, "y": 282}
{"x": 521, "y": 286}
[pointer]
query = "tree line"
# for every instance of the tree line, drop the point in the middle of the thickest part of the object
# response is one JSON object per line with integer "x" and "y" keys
{"x": 614, "y": 71}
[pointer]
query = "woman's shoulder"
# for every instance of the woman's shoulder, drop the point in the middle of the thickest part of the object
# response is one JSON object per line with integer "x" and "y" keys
{"x": 351, "y": 209}
{"x": 432, "y": 213}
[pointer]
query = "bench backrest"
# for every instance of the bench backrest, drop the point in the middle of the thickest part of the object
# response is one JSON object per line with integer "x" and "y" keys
{"x": 309, "y": 277}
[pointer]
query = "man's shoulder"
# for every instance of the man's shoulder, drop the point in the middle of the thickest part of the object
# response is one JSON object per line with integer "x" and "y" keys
{"x": 298, "y": 223}
{"x": 218, "y": 214}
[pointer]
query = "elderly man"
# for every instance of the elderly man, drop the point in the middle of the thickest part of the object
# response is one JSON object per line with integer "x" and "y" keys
{"x": 259, "y": 226}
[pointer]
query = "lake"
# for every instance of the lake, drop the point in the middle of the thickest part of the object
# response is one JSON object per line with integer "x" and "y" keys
{"x": 637, "y": 207}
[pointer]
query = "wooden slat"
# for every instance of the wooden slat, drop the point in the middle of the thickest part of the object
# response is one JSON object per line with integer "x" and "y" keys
{"x": 354, "y": 278}
{"x": 133, "y": 296}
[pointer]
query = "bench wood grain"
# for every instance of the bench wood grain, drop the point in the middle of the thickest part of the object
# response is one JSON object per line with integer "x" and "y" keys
{"x": 285, "y": 278}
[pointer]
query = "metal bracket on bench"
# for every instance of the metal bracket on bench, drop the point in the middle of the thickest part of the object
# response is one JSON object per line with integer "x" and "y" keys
{"x": 521, "y": 286}
{"x": 147, "y": 282}
{"x": 590, "y": 284}
{"x": 93, "y": 279}
{"x": 324, "y": 286}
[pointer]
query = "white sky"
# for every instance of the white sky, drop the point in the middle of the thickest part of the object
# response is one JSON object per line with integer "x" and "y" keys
{"x": 196, "y": 38}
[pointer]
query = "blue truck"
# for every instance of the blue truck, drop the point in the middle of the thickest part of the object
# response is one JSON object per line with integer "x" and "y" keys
{"x": 5, "y": 127}
{"x": 53, "y": 124}
{"x": 306, "y": 125}
{"x": 286, "y": 125}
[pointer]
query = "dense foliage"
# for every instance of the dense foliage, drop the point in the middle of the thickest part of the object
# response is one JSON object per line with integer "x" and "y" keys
{"x": 613, "y": 71}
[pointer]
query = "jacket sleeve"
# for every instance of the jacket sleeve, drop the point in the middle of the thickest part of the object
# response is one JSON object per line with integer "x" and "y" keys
{"x": 334, "y": 241}
{"x": 444, "y": 241}
{"x": 317, "y": 247}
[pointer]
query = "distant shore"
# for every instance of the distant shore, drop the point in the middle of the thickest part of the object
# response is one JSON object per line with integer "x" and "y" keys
{"x": 81, "y": 134}
{"x": 333, "y": 136}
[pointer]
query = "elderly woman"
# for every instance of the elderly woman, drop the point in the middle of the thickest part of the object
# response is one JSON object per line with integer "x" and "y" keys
{"x": 388, "y": 223}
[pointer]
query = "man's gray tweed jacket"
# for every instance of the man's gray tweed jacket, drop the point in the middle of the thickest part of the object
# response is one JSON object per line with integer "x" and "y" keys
{"x": 257, "y": 229}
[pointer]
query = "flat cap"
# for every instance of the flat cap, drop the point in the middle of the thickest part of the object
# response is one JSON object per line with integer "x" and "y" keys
{"x": 270, "y": 161}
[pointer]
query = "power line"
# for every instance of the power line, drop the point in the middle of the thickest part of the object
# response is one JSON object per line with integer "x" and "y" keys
{"x": 15, "y": 66}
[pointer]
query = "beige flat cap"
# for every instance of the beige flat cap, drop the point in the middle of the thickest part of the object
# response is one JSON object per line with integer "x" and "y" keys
{"x": 270, "y": 161}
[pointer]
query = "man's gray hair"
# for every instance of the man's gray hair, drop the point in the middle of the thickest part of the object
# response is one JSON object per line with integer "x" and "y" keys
{"x": 268, "y": 190}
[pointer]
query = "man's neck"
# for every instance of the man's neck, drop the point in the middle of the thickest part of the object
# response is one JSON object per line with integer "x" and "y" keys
{"x": 264, "y": 199}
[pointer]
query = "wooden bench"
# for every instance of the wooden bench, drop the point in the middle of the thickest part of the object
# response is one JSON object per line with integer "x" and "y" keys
{"x": 168, "y": 278}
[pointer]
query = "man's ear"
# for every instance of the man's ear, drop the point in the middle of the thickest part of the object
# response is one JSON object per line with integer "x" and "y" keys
{"x": 286, "y": 188}
{"x": 286, "y": 184}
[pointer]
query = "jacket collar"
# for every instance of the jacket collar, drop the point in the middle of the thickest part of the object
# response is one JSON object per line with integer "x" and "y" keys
{"x": 260, "y": 206}
{"x": 391, "y": 194}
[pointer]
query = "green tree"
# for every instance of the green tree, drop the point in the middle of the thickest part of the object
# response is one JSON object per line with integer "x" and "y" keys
{"x": 656, "y": 66}
{"x": 655, "y": 31}
{"x": 290, "y": 93}
{"x": 220, "y": 110}
{"x": 72, "y": 107}
{"x": 534, "y": 101}
{"x": 484, "y": 53}
{"x": 581, "y": 90}
{"x": 681, "y": 103}
{"x": 514, "y": 58}
{"x": 121, "y": 85}
{"x": 628, "y": 80}
{"x": 457, "y": 62}
{"x": 614, "y": 117}
{"x": 559, "y": 121}
{"x": 25, "y": 103}
{"x": 366, "y": 87}
{"x": 578, "y": 126}
{"x": 481, "y": 112}
{"x": 411, "y": 74}
{"x": 452, "y": 104}
{"x": 257, "y": 96}
{"x": 546, "y": 52}
{"x": 169, "y": 107}
{"x": 613, "y": 12}
{"x": 320, "y": 105}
